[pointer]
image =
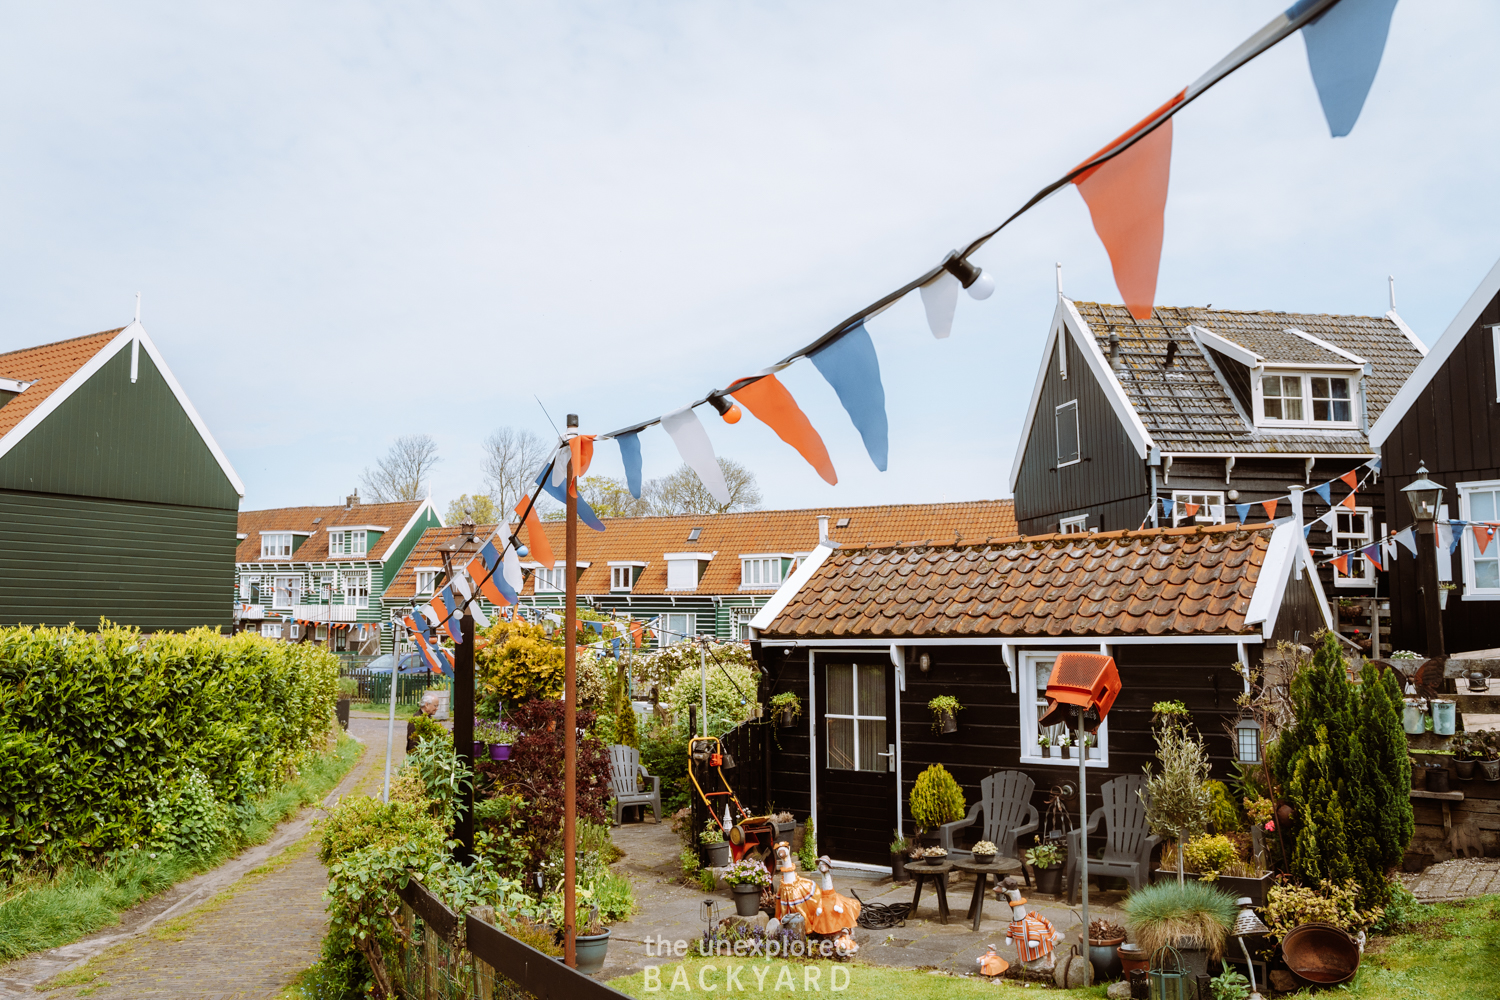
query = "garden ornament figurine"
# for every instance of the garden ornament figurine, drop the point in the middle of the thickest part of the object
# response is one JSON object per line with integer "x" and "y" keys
{"x": 793, "y": 894}
{"x": 1031, "y": 933}
{"x": 833, "y": 914}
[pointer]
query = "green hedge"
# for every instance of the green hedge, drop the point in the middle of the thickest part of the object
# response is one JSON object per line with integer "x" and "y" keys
{"x": 109, "y": 739}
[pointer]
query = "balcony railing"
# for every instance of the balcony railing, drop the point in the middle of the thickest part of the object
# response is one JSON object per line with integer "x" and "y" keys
{"x": 326, "y": 612}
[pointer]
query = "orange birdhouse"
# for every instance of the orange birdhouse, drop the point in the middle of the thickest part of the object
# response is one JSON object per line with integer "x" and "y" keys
{"x": 1088, "y": 680}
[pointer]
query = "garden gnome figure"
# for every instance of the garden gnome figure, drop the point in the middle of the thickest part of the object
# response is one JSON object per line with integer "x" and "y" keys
{"x": 834, "y": 914}
{"x": 1031, "y": 933}
{"x": 793, "y": 894}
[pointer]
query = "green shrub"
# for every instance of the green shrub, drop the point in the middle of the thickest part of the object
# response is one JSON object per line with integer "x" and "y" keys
{"x": 1289, "y": 906}
{"x": 1162, "y": 913}
{"x": 936, "y": 798}
{"x": 731, "y": 694}
{"x": 1209, "y": 856}
{"x": 807, "y": 856}
{"x": 664, "y": 752}
{"x": 424, "y": 728}
{"x": 101, "y": 733}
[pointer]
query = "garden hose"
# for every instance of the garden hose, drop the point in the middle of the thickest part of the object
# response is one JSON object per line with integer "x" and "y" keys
{"x": 879, "y": 916}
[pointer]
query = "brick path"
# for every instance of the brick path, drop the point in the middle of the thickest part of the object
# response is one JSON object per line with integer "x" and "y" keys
{"x": 248, "y": 942}
{"x": 1456, "y": 879}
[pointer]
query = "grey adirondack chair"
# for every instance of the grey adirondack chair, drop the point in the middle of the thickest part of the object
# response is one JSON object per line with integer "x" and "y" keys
{"x": 1005, "y": 804}
{"x": 625, "y": 767}
{"x": 1128, "y": 841}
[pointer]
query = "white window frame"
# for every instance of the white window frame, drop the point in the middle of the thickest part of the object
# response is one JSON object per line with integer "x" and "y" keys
{"x": 336, "y": 543}
{"x": 272, "y": 542}
{"x": 1057, "y": 417}
{"x": 357, "y": 542}
{"x": 674, "y": 622}
{"x": 1306, "y": 375}
{"x": 249, "y": 583}
{"x": 856, "y": 719}
{"x": 426, "y": 580}
{"x": 293, "y": 592}
{"x": 1205, "y": 513}
{"x": 270, "y": 630}
{"x": 1074, "y": 525}
{"x": 1030, "y": 752}
{"x": 623, "y": 574}
{"x": 739, "y": 623}
{"x": 762, "y": 571}
{"x": 1349, "y": 539}
{"x": 295, "y": 630}
{"x": 1470, "y": 548}
{"x": 550, "y": 580}
{"x": 356, "y": 587}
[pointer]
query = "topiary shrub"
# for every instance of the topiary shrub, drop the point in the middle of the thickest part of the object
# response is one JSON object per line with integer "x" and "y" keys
{"x": 936, "y": 798}
{"x": 1178, "y": 798}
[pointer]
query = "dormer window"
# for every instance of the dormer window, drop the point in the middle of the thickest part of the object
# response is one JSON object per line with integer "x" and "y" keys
{"x": 275, "y": 544}
{"x": 1306, "y": 398}
{"x": 348, "y": 543}
{"x": 693, "y": 534}
{"x": 426, "y": 581}
{"x": 762, "y": 572}
{"x": 623, "y": 574}
{"x": 685, "y": 569}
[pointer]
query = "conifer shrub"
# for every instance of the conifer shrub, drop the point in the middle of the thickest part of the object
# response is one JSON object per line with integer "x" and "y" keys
{"x": 936, "y": 798}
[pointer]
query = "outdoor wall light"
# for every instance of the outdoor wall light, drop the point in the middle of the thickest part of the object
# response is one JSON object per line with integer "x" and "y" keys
{"x": 979, "y": 284}
{"x": 924, "y": 663}
{"x": 1247, "y": 740}
{"x": 1424, "y": 495}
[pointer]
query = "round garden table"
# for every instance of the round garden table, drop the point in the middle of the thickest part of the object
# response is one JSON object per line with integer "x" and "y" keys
{"x": 999, "y": 868}
{"x": 938, "y": 875}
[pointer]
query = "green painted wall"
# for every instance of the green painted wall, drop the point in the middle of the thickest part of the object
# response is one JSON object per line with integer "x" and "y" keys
{"x": 74, "y": 559}
{"x": 122, "y": 440}
{"x": 396, "y": 557}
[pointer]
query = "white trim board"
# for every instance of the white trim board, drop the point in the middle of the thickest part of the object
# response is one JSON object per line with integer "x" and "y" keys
{"x": 1287, "y": 553}
{"x": 1436, "y": 357}
{"x": 789, "y": 587}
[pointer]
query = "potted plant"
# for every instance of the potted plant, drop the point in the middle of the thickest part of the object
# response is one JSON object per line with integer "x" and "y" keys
{"x": 787, "y": 708}
{"x": 935, "y": 799}
{"x": 899, "y": 847}
{"x": 1178, "y": 797}
{"x": 1216, "y": 858}
{"x": 501, "y": 741}
{"x": 746, "y": 878}
{"x": 984, "y": 852}
{"x": 348, "y": 688}
{"x": 714, "y": 846}
{"x": 1193, "y": 917}
{"x": 1105, "y": 938}
{"x": 944, "y": 709}
{"x": 1488, "y": 752}
{"x": 1046, "y": 867}
{"x": 1444, "y": 589}
{"x": 590, "y": 943}
{"x": 785, "y": 824}
{"x": 1065, "y": 741}
{"x": 1045, "y": 742}
{"x": 1463, "y": 747}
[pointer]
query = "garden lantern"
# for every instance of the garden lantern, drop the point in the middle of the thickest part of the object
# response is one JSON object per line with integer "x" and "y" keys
{"x": 1247, "y": 741}
{"x": 1247, "y": 924}
{"x": 1424, "y": 495}
{"x": 1168, "y": 978}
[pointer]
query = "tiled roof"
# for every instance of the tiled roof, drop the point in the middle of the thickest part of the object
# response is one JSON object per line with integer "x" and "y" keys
{"x": 50, "y": 365}
{"x": 1186, "y": 408}
{"x": 318, "y": 520}
{"x": 1172, "y": 581}
{"x": 647, "y": 539}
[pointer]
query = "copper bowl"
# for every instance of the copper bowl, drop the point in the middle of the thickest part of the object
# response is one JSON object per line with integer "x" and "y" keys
{"x": 1320, "y": 954}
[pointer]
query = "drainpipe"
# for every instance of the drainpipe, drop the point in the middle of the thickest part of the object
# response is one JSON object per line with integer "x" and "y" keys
{"x": 1153, "y": 460}
{"x": 1364, "y": 408}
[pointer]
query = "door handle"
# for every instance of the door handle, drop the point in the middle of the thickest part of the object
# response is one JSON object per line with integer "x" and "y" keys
{"x": 890, "y": 754}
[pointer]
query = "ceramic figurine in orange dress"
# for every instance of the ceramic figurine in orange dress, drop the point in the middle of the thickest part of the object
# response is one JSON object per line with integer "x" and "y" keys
{"x": 833, "y": 913}
{"x": 793, "y": 894}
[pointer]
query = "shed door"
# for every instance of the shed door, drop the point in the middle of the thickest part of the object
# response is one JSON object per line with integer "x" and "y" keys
{"x": 856, "y": 760}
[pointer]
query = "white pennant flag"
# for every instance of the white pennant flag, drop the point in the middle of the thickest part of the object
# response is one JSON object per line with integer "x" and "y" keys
{"x": 1408, "y": 537}
{"x": 940, "y": 299}
{"x": 510, "y": 569}
{"x": 560, "y": 465}
{"x": 692, "y": 442}
{"x": 1216, "y": 512}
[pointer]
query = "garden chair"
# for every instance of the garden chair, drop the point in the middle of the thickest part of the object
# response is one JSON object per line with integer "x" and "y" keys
{"x": 1005, "y": 802}
{"x": 1128, "y": 841}
{"x": 625, "y": 768}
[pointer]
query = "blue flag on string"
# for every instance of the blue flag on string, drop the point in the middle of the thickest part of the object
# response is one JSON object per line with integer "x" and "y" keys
{"x": 1326, "y": 492}
{"x": 614, "y": 647}
{"x": 1307, "y": 530}
{"x": 597, "y": 627}
{"x": 1242, "y": 511}
{"x": 1408, "y": 537}
{"x": 490, "y": 557}
{"x": 1166, "y": 508}
{"x": 1344, "y": 47}
{"x": 849, "y": 364}
{"x": 630, "y": 456}
{"x": 1373, "y": 463}
{"x": 559, "y": 493}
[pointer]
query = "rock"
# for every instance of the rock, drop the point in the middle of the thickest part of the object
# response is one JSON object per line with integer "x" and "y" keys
{"x": 1118, "y": 991}
{"x": 1282, "y": 981}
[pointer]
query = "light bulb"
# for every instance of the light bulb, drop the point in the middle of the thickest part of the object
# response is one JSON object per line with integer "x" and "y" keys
{"x": 732, "y": 415}
{"x": 983, "y": 286}
{"x": 522, "y": 551}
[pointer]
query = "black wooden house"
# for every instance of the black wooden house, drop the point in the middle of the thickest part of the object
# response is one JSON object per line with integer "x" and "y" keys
{"x": 1212, "y": 408}
{"x": 867, "y": 636}
{"x": 1447, "y": 417}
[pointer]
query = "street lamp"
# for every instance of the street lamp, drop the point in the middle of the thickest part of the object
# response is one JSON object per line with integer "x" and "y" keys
{"x": 1425, "y": 497}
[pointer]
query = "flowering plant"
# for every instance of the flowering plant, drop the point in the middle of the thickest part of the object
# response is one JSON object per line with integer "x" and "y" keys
{"x": 747, "y": 872}
{"x": 1042, "y": 740}
{"x": 985, "y": 847}
{"x": 1064, "y": 740}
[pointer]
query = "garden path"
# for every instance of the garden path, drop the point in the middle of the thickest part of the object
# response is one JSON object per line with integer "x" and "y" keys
{"x": 1455, "y": 879}
{"x": 242, "y": 930}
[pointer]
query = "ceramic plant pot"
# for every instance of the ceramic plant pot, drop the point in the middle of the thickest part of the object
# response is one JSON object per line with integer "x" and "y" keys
{"x": 1436, "y": 779}
{"x": 499, "y": 751}
{"x": 984, "y": 859}
{"x": 1490, "y": 769}
{"x": 788, "y": 718}
{"x": 1046, "y": 752}
{"x": 746, "y": 899}
{"x": 1465, "y": 769}
{"x": 1132, "y": 958}
{"x": 1049, "y": 880}
{"x": 591, "y": 949}
{"x": 948, "y": 722}
{"x": 1105, "y": 956}
{"x": 717, "y": 854}
{"x": 898, "y": 867}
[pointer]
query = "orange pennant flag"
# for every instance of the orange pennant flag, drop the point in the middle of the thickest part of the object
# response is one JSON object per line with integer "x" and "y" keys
{"x": 1270, "y": 506}
{"x": 1342, "y": 564}
{"x": 1351, "y": 479}
{"x": 1190, "y": 508}
{"x": 1348, "y": 501}
{"x": 775, "y": 407}
{"x": 1482, "y": 533}
{"x": 1127, "y": 199}
{"x": 582, "y": 447}
{"x": 536, "y": 539}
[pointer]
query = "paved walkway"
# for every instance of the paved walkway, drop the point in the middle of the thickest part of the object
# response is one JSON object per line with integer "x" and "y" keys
{"x": 1456, "y": 879}
{"x": 247, "y": 937}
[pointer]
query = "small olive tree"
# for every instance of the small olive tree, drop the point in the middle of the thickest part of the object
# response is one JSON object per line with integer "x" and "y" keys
{"x": 1178, "y": 800}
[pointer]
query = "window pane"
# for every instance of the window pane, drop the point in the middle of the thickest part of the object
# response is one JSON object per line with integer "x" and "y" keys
{"x": 1487, "y": 572}
{"x": 841, "y": 743}
{"x": 1482, "y": 505}
{"x": 841, "y": 689}
{"x": 1067, "y": 433}
{"x": 872, "y": 690}
{"x": 872, "y": 745}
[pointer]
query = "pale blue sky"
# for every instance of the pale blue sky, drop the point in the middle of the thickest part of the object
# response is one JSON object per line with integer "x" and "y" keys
{"x": 365, "y": 220}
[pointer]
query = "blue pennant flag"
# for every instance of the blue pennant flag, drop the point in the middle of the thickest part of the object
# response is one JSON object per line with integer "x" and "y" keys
{"x": 630, "y": 456}
{"x": 1373, "y": 463}
{"x": 1344, "y": 47}
{"x": 614, "y": 647}
{"x": 597, "y": 627}
{"x": 1166, "y": 508}
{"x": 490, "y": 557}
{"x": 1242, "y": 510}
{"x": 451, "y": 624}
{"x": 1307, "y": 530}
{"x": 1408, "y": 537}
{"x": 1326, "y": 492}
{"x": 849, "y": 364}
{"x": 559, "y": 493}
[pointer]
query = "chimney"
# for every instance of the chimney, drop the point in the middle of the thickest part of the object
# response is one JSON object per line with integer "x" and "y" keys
{"x": 822, "y": 528}
{"x": 352, "y": 500}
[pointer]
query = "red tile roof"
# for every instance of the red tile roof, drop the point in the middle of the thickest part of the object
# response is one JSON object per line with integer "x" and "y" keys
{"x": 728, "y": 536}
{"x": 49, "y": 366}
{"x": 1173, "y": 581}
{"x": 318, "y": 520}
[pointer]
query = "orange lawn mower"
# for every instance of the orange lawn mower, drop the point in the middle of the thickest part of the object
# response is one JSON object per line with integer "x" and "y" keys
{"x": 748, "y": 836}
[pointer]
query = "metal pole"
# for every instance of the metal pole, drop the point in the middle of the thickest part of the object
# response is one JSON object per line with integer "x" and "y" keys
{"x": 570, "y": 718}
{"x": 463, "y": 735}
{"x": 1427, "y": 566}
{"x": 1083, "y": 840}
{"x": 390, "y": 730}
{"x": 703, "y": 675}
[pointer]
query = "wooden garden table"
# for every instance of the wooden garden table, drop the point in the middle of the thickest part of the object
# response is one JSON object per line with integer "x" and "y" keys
{"x": 999, "y": 868}
{"x": 939, "y": 876}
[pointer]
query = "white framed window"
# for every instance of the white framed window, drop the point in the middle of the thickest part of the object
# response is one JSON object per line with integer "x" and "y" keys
{"x": 857, "y": 738}
{"x": 1353, "y": 528}
{"x": 550, "y": 581}
{"x": 294, "y": 630}
{"x": 1074, "y": 525}
{"x": 348, "y": 543}
{"x": 357, "y": 588}
{"x": 676, "y": 628}
{"x": 320, "y": 633}
{"x": 1066, "y": 417}
{"x": 1308, "y": 399}
{"x": 323, "y": 588}
{"x": 621, "y": 577}
{"x": 1210, "y": 507}
{"x": 426, "y": 580}
{"x": 270, "y": 630}
{"x": 739, "y": 623}
{"x": 1480, "y": 501}
{"x": 760, "y": 571}
{"x": 1035, "y": 668}
{"x": 288, "y": 592}
{"x": 250, "y": 589}
{"x": 685, "y": 569}
{"x": 275, "y": 544}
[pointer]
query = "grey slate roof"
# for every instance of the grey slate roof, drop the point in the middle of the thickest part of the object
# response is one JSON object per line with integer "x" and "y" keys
{"x": 1187, "y": 408}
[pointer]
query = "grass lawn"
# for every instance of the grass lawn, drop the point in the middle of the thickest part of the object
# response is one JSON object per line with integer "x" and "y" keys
{"x": 1453, "y": 954}
{"x": 38, "y": 913}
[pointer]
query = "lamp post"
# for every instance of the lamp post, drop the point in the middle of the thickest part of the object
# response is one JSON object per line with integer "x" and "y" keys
{"x": 1425, "y": 497}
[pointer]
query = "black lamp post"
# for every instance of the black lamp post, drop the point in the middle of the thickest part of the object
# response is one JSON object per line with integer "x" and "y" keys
{"x": 1425, "y": 497}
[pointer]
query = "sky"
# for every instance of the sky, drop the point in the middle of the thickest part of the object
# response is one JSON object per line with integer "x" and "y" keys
{"x": 350, "y": 222}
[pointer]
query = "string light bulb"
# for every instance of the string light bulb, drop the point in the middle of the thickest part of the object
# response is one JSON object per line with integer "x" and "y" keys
{"x": 979, "y": 284}
{"x": 729, "y": 411}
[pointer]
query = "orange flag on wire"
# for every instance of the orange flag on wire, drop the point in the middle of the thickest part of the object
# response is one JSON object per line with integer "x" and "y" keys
{"x": 582, "y": 447}
{"x": 775, "y": 407}
{"x": 1482, "y": 534}
{"x": 1190, "y": 508}
{"x": 541, "y": 549}
{"x": 1342, "y": 564}
{"x": 1348, "y": 501}
{"x": 1127, "y": 199}
{"x": 1351, "y": 479}
{"x": 1270, "y": 506}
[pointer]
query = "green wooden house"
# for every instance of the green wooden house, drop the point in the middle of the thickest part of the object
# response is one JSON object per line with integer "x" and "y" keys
{"x": 115, "y": 501}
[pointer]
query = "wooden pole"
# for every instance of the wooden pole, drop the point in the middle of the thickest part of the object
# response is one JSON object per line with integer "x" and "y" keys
{"x": 570, "y": 719}
{"x": 463, "y": 735}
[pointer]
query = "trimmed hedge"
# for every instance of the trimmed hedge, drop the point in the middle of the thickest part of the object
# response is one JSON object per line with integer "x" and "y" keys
{"x": 109, "y": 739}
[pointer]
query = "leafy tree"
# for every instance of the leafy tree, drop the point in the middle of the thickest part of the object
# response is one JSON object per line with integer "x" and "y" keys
{"x": 1179, "y": 801}
{"x": 480, "y": 506}
{"x": 535, "y": 772}
{"x": 402, "y": 473}
{"x": 1389, "y": 770}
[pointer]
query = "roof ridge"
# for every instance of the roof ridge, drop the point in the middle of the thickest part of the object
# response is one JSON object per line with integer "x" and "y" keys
{"x": 1076, "y": 536}
{"x": 66, "y": 340}
{"x": 1238, "y": 312}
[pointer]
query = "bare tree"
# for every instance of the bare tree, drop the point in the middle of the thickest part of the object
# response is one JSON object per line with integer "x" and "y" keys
{"x": 512, "y": 458}
{"x": 683, "y": 492}
{"x": 402, "y": 474}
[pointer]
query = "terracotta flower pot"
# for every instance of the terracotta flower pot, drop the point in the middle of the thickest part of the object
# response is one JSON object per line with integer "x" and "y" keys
{"x": 1132, "y": 958}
